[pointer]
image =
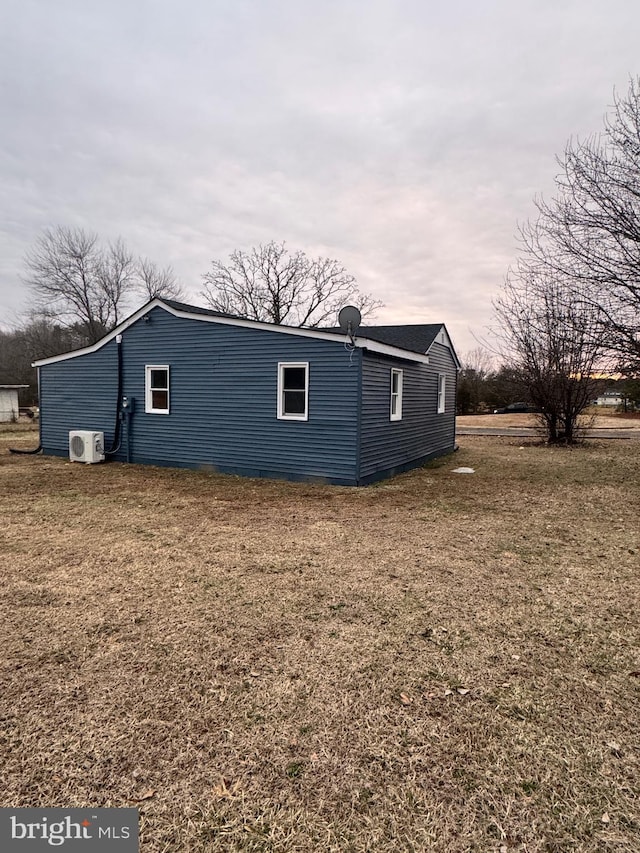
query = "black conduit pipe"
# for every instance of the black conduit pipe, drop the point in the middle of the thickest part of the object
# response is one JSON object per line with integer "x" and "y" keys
{"x": 117, "y": 438}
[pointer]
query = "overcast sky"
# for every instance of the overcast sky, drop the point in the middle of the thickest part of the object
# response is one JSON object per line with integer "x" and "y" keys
{"x": 405, "y": 138}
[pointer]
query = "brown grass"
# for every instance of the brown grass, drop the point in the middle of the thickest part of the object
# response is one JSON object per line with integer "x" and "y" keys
{"x": 440, "y": 662}
{"x": 593, "y": 419}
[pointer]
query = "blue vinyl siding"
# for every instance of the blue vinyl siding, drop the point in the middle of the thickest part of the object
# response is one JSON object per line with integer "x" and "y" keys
{"x": 223, "y": 400}
{"x": 80, "y": 393}
{"x": 386, "y": 445}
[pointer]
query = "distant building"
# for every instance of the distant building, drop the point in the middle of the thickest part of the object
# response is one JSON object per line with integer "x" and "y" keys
{"x": 9, "y": 410}
{"x": 610, "y": 398}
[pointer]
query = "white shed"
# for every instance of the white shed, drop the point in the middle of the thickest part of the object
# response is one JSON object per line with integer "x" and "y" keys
{"x": 610, "y": 398}
{"x": 9, "y": 402}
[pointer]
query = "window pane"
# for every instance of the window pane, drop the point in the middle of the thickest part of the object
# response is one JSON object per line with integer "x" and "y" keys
{"x": 394, "y": 404}
{"x": 294, "y": 378}
{"x": 159, "y": 399}
{"x": 159, "y": 379}
{"x": 394, "y": 382}
{"x": 294, "y": 402}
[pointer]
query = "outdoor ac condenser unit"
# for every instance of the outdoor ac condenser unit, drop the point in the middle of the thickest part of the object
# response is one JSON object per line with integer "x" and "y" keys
{"x": 86, "y": 446}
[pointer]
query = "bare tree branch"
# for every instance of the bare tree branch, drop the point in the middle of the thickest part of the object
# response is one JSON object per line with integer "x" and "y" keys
{"x": 589, "y": 233}
{"x": 550, "y": 336}
{"x": 152, "y": 281}
{"x": 114, "y": 280}
{"x": 271, "y": 284}
{"x": 85, "y": 287}
{"x": 63, "y": 273}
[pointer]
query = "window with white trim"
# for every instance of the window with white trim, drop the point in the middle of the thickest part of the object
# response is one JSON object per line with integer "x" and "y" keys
{"x": 395, "y": 412}
{"x": 156, "y": 391}
{"x": 442, "y": 392}
{"x": 293, "y": 390}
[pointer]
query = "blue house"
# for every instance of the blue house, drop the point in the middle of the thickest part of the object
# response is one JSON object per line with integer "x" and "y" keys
{"x": 202, "y": 389}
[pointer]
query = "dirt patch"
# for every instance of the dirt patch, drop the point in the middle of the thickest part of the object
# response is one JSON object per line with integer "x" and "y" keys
{"x": 436, "y": 662}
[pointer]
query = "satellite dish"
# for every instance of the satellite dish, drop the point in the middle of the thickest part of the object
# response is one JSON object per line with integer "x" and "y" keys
{"x": 349, "y": 319}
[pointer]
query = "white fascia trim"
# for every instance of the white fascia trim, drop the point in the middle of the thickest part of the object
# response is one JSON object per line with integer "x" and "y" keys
{"x": 103, "y": 341}
{"x": 395, "y": 352}
{"x": 362, "y": 343}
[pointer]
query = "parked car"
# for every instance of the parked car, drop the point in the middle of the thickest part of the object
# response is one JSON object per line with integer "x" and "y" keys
{"x": 513, "y": 408}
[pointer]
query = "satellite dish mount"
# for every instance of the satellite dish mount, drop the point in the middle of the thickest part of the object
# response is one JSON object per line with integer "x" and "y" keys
{"x": 349, "y": 320}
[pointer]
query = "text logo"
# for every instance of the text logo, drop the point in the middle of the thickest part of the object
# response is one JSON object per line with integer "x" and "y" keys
{"x": 32, "y": 830}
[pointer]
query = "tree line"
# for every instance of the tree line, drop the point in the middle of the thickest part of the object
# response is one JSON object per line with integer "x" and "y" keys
{"x": 569, "y": 309}
{"x": 483, "y": 388}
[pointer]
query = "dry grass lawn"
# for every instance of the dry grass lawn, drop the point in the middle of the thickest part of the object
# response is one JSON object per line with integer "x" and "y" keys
{"x": 591, "y": 420}
{"x": 440, "y": 662}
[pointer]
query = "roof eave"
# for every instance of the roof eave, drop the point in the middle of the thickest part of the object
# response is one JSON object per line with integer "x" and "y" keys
{"x": 394, "y": 352}
{"x": 103, "y": 341}
{"x": 363, "y": 343}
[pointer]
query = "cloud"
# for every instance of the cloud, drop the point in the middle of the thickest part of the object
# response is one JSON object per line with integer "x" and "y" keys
{"x": 405, "y": 139}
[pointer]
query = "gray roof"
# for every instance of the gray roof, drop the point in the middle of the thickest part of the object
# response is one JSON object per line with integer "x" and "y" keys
{"x": 415, "y": 338}
{"x": 196, "y": 309}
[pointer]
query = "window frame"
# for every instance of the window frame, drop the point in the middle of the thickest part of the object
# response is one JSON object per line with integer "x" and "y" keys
{"x": 148, "y": 389}
{"x": 442, "y": 393}
{"x": 281, "y": 413}
{"x": 397, "y": 414}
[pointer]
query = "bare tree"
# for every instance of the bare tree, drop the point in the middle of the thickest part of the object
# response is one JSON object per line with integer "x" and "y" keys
{"x": 477, "y": 365}
{"x": 115, "y": 274}
{"x": 76, "y": 281}
{"x": 153, "y": 281}
{"x": 273, "y": 285}
{"x": 549, "y": 335}
{"x": 589, "y": 233}
{"x": 85, "y": 286}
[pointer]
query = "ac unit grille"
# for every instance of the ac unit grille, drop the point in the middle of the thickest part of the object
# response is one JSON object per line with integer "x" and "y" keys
{"x": 86, "y": 446}
{"x": 77, "y": 446}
